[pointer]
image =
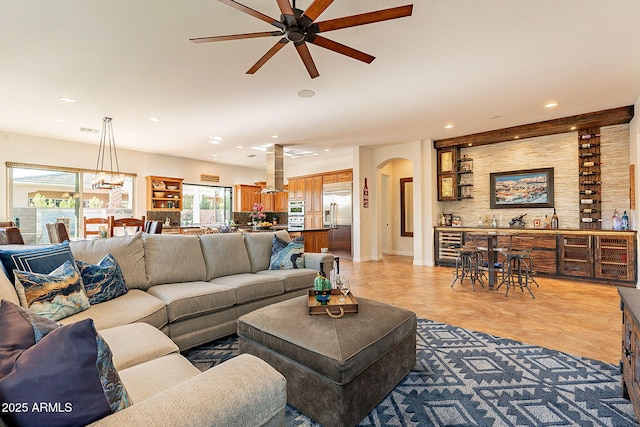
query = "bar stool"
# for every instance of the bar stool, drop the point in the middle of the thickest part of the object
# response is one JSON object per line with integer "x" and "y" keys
{"x": 467, "y": 265}
{"x": 517, "y": 271}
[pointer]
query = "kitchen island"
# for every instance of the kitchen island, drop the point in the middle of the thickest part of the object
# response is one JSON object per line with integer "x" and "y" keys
{"x": 604, "y": 256}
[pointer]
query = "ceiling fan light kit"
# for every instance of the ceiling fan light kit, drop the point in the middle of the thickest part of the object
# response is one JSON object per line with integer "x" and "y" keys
{"x": 300, "y": 28}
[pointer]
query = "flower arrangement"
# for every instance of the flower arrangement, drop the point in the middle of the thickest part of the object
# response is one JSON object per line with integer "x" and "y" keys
{"x": 229, "y": 227}
{"x": 257, "y": 213}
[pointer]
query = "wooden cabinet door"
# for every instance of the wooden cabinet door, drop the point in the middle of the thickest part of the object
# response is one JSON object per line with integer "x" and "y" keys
{"x": 268, "y": 201}
{"x": 614, "y": 258}
{"x": 300, "y": 189}
{"x": 346, "y": 176}
{"x": 576, "y": 255}
{"x": 280, "y": 201}
{"x": 316, "y": 196}
{"x": 330, "y": 178}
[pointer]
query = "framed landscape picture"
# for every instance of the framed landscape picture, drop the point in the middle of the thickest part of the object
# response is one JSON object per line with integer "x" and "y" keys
{"x": 531, "y": 188}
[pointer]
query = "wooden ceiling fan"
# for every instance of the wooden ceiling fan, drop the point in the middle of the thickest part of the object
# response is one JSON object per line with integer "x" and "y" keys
{"x": 299, "y": 27}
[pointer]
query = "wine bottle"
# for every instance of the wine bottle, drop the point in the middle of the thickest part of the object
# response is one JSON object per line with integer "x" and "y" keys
{"x": 624, "y": 221}
{"x": 589, "y": 164}
{"x": 587, "y": 173}
{"x": 588, "y": 201}
{"x": 590, "y": 211}
{"x": 554, "y": 219}
{"x": 589, "y": 136}
{"x": 591, "y": 220}
{"x": 588, "y": 145}
{"x": 583, "y": 155}
{"x": 615, "y": 220}
{"x": 590, "y": 182}
{"x": 587, "y": 192}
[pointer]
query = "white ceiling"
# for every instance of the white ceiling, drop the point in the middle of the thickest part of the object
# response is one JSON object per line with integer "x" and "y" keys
{"x": 454, "y": 61}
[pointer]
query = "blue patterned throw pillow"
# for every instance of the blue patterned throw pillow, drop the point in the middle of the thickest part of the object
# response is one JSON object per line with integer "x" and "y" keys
{"x": 56, "y": 295}
{"x": 287, "y": 255}
{"x": 104, "y": 281}
{"x": 71, "y": 371}
{"x": 38, "y": 260}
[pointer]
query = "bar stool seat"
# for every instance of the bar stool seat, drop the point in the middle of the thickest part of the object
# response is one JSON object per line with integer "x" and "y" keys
{"x": 467, "y": 265}
{"x": 517, "y": 271}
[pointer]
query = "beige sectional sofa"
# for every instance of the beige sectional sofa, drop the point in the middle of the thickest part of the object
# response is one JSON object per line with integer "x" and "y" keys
{"x": 191, "y": 289}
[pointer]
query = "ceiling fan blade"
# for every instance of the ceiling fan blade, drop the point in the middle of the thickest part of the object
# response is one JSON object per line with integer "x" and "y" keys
{"x": 254, "y": 13}
{"x": 236, "y": 37}
{"x": 342, "y": 49}
{"x": 364, "y": 18}
{"x": 316, "y": 8}
{"x": 267, "y": 56}
{"x": 287, "y": 12}
{"x": 305, "y": 55}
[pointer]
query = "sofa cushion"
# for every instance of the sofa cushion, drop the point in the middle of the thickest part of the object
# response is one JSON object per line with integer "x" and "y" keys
{"x": 128, "y": 251}
{"x": 7, "y": 289}
{"x": 36, "y": 260}
{"x": 251, "y": 287}
{"x": 146, "y": 379}
{"x": 259, "y": 248}
{"x": 192, "y": 299}
{"x": 137, "y": 343}
{"x": 54, "y": 296}
{"x": 173, "y": 258}
{"x": 83, "y": 383}
{"x": 20, "y": 329}
{"x": 287, "y": 255}
{"x": 294, "y": 279}
{"x": 134, "y": 306}
{"x": 224, "y": 254}
{"x": 103, "y": 281}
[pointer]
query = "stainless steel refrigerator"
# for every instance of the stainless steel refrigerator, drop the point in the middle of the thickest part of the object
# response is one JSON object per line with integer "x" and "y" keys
{"x": 337, "y": 208}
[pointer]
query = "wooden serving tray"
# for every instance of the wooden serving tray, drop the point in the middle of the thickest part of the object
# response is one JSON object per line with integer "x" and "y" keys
{"x": 333, "y": 308}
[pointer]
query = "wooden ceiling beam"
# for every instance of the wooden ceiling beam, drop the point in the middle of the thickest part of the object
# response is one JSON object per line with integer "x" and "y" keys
{"x": 614, "y": 116}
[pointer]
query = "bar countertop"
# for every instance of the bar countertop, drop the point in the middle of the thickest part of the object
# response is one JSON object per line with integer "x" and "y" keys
{"x": 531, "y": 230}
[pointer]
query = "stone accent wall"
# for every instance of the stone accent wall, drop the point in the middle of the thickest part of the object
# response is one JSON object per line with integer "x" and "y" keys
{"x": 555, "y": 151}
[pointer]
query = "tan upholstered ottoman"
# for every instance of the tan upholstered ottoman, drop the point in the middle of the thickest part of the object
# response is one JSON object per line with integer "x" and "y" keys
{"x": 337, "y": 370}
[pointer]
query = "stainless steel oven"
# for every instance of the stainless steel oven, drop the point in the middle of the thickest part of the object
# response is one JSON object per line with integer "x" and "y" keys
{"x": 296, "y": 223}
{"x": 296, "y": 208}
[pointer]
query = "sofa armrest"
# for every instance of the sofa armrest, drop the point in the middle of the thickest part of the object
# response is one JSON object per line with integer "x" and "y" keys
{"x": 319, "y": 261}
{"x": 243, "y": 391}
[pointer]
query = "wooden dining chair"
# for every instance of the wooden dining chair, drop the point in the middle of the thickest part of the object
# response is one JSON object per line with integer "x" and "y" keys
{"x": 135, "y": 223}
{"x": 57, "y": 232}
{"x": 153, "y": 227}
{"x": 7, "y": 224}
{"x": 94, "y": 226}
{"x": 11, "y": 236}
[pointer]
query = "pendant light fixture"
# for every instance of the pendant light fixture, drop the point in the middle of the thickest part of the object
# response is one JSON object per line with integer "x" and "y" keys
{"x": 107, "y": 179}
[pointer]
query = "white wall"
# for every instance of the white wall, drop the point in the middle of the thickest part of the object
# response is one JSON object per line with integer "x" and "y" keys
{"x": 634, "y": 159}
{"x": 46, "y": 151}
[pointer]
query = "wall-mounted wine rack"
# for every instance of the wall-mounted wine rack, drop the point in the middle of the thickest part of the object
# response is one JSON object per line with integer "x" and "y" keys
{"x": 590, "y": 178}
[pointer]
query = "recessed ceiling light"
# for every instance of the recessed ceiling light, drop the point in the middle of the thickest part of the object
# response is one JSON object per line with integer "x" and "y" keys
{"x": 214, "y": 141}
{"x": 154, "y": 119}
{"x": 551, "y": 104}
{"x": 573, "y": 128}
{"x": 216, "y": 138}
{"x": 448, "y": 126}
{"x": 67, "y": 99}
{"x": 57, "y": 120}
{"x": 516, "y": 137}
{"x": 327, "y": 149}
{"x": 275, "y": 136}
{"x": 239, "y": 146}
{"x": 306, "y": 93}
{"x": 133, "y": 134}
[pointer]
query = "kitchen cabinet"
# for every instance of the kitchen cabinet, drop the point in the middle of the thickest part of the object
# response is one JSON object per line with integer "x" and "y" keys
{"x": 541, "y": 247}
{"x": 280, "y": 201}
{"x": 296, "y": 189}
{"x": 164, "y": 194}
{"x": 447, "y": 245}
{"x": 315, "y": 240}
{"x": 630, "y": 354}
{"x": 246, "y": 196}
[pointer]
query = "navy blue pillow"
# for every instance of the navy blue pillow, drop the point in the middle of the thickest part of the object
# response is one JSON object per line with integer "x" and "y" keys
{"x": 71, "y": 369}
{"x": 19, "y": 330}
{"x": 39, "y": 260}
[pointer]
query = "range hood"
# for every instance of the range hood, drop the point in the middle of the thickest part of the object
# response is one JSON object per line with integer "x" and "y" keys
{"x": 275, "y": 170}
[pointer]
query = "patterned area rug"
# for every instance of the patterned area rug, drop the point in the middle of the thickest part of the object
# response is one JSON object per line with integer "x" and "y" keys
{"x": 466, "y": 378}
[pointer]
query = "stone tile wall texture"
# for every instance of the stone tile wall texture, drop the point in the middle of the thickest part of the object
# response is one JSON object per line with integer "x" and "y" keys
{"x": 554, "y": 151}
